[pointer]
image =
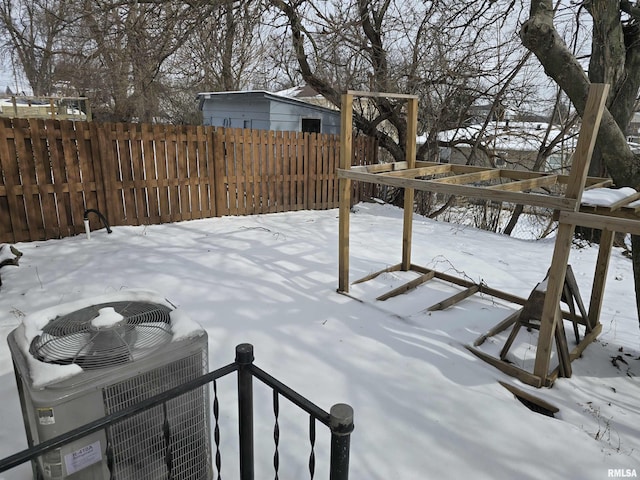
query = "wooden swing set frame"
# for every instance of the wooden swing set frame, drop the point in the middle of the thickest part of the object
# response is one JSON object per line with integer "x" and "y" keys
{"x": 507, "y": 186}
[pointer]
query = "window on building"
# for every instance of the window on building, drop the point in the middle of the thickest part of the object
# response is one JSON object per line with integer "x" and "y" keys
{"x": 311, "y": 125}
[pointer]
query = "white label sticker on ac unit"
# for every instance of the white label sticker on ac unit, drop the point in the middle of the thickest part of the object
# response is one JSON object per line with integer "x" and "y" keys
{"x": 82, "y": 458}
{"x": 45, "y": 416}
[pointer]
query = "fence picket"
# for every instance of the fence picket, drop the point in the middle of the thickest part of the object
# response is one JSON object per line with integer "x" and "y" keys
{"x": 52, "y": 170}
{"x": 90, "y": 169}
{"x": 44, "y": 176}
{"x": 26, "y": 166}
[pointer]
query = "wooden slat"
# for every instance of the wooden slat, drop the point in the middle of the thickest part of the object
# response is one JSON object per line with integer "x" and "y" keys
{"x": 59, "y": 175}
{"x": 40, "y": 152}
{"x": 500, "y": 327}
{"x": 193, "y": 169}
{"x": 7, "y": 229}
{"x": 332, "y": 167}
{"x": 312, "y": 171}
{"x": 276, "y": 174}
{"x": 263, "y": 172}
{"x": 458, "y": 297}
{"x": 464, "y": 178}
{"x": 358, "y": 93}
{"x": 394, "y": 166}
{"x": 371, "y": 276}
{"x": 416, "y": 282}
{"x": 90, "y": 167}
{"x": 508, "y": 368}
{"x": 137, "y": 169}
{"x": 28, "y": 178}
{"x": 74, "y": 175}
{"x": 122, "y": 146}
{"x": 162, "y": 163}
{"x": 150, "y": 173}
{"x": 518, "y": 392}
{"x": 300, "y": 162}
{"x": 219, "y": 160}
{"x": 529, "y": 184}
{"x": 419, "y": 172}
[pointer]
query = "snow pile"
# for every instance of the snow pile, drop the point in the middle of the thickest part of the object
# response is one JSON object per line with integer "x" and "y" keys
{"x": 605, "y": 197}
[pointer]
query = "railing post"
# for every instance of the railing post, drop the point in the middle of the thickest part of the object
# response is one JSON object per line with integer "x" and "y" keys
{"x": 244, "y": 359}
{"x": 341, "y": 425}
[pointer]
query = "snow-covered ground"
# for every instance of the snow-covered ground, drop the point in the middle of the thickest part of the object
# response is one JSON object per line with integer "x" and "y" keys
{"x": 425, "y": 407}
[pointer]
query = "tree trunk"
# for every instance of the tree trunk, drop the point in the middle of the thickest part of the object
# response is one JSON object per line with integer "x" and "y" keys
{"x": 615, "y": 59}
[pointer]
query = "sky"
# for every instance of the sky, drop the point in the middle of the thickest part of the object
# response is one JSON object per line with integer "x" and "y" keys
{"x": 424, "y": 406}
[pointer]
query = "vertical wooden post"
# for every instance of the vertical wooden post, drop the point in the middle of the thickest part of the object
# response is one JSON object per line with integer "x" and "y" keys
{"x": 346, "y": 147}
{"x": 581, "y": 159}
{"x": 410, "y": 156}
{"x": 600, "y": 276}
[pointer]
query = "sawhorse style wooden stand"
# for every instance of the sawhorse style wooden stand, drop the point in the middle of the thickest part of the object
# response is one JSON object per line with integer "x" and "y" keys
{"x": 511, "y": 186}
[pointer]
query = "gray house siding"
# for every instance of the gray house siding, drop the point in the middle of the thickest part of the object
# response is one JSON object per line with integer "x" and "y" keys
{"x": 265, "y": 111}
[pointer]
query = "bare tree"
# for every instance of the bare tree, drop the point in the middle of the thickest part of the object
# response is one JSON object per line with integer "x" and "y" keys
{"x": 438, "y": 50}
{"x": 32, "y": 32}
{"x": 614, "y": 59}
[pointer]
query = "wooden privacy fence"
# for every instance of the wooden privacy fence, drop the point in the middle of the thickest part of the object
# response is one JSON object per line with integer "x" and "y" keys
{"x": 52, "y": 171}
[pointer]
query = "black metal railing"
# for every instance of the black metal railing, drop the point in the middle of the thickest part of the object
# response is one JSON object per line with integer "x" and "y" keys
{"x": 339, "y": 420}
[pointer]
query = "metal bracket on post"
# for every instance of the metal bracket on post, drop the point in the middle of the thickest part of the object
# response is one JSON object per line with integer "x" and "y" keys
{"x": 341, "y": 425}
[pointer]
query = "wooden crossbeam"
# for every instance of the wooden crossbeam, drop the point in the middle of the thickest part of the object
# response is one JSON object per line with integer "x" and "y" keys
{"x": 464, "y": 178}
{"x": 508, "y": 368}
{"x": 533, "y": 199}
{"x": 518, "y": 392}
{"x": 416, "y": 282}
{"x": 623, "y": 201}
{"x": 500, "y": 327}
{"x": 419, "y": 172}
{"x": 371, "y": 276}
{"x": 452, "y": 300}
{"x": 600, "y": 222}
{"x": 380, "y": 167}
{"x": 528, "y": 184}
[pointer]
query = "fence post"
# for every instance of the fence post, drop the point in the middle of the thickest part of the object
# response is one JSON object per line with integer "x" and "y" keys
{"x": 244, "y": 359}
{"x": 341, "y": 425}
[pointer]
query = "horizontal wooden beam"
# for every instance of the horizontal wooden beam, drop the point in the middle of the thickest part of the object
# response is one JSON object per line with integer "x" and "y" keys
{"x": 482, "y": 176}
{"x": 521, "y": 185}
{"x": 416, "y": 282}
{"x": 518, "y": 392}
{"x": 380, "y": 167}
{"x": 419, "y": 172}
{"x": 601, "y": 222}
{"x": 358, "y": 93}
{"x": 452, "y": 300}
{"x": 588, "y": 339}
{"x": 499, "y": 328}
{"x": 508, "y": 368}
{"x": 545, "y": 201}
{"x": 371, "y": 276}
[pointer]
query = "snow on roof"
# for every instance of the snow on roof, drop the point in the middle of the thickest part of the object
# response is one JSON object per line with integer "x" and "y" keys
{"x": 300, "y": 91}
{"x": 604, "y": 197}
{"x": 508, "y": 136}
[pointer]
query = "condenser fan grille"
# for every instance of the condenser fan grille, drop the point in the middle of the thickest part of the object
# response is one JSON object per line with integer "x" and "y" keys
{"x": 104, "y": 335}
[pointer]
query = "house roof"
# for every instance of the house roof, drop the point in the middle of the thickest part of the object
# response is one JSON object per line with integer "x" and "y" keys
{"x": 507, "y": 136}
{"x": 262, "y": 94}
{"x": 300, "y": 91}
